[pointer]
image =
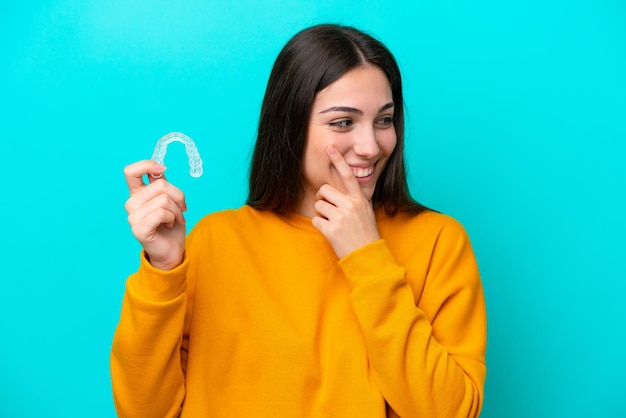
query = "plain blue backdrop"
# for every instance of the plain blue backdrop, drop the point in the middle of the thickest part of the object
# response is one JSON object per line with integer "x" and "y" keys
{"x": 516, "y": 127}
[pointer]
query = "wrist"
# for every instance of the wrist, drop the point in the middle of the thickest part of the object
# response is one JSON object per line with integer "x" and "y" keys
{"x": 166, "y": 264}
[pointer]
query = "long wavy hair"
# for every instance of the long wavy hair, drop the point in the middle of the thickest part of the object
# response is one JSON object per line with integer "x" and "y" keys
{"x": 312, "y": 60}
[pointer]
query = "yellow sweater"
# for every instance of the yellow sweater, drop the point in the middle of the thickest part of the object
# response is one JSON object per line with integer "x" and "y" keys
{"x": 263, "y": 320}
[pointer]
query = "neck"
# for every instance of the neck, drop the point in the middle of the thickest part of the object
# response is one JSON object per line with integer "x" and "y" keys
{"x": 306, "y": 208}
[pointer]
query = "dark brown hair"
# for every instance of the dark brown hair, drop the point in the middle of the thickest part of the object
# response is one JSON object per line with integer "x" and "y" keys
{"x": 313, "y": 59}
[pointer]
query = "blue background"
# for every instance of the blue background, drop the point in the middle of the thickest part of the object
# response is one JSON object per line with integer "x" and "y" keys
{"x": 516, "y": 127}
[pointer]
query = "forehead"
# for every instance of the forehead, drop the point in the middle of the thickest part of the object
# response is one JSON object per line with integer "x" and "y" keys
{"x": 361, "y": 87}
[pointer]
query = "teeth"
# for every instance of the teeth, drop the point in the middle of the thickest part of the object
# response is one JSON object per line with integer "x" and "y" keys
{"x": 362, "y": 172}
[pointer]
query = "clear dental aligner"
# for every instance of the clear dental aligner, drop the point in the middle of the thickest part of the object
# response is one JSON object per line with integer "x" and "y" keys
{"x": 195, "y": 162}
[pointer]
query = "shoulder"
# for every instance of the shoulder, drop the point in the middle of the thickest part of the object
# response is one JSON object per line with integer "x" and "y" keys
{"x": 445, "y": 226}
{"x": 425, "y": 224}
{"x": 437, "y": 220}
{"x": 241, "y": 220}
{"x": 429, "y": 235}
{"x": 229, "y": 217}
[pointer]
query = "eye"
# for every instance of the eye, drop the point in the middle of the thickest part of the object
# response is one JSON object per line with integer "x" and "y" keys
{"x": 385, "y": 121}
{"x": 341, "y": 124}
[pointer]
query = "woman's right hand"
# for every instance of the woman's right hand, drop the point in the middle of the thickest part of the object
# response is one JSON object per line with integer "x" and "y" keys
{"x": 155, "y": 214}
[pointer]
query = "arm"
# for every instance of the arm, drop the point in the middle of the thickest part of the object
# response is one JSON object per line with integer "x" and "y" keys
{"x": 148, "y": 351}
{"x": 427, "y": 352}
{"x": 425, "y": 336}
{"x": 148, "y": 355}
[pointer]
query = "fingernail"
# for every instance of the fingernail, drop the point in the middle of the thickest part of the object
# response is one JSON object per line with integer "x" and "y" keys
{"x": 159, "y": 166}
{"x": 332, "y": 150}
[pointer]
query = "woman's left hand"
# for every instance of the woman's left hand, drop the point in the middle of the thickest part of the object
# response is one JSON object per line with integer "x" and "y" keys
{"x": 347, "y": 219}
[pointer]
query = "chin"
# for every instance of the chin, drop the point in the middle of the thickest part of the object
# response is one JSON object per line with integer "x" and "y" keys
{"x": 368, "y": 193}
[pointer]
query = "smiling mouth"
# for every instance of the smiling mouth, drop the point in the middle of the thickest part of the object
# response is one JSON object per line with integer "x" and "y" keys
{"x": 361, "y": 172}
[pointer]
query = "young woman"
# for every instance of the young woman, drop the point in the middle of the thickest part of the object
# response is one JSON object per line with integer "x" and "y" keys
{"x": 331, "y": 292}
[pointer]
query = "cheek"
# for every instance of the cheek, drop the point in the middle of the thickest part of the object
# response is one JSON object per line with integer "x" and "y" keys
{"x": 387, "y": 146}
{"x": 388, "y": 143}
{"x": 318, "y": 168}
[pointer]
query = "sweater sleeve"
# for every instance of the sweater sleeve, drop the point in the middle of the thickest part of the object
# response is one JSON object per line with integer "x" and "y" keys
{"x": 148, "y": 351}
{"x": 426, "y": 350}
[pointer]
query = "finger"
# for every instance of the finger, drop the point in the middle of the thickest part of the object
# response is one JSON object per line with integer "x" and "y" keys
{"x": 145, "y": 228}
{"x": 325, "y": 209}
{"x": 331, "y": 195}
{"x": 161, "y": 186}
{"x": 345, "y": 172}
{"x": 160, "y": 210}
{"x": 158, "y": 188}
{"x": 134, "y": 173}
{"x": 164, "y": 201}
{"x": 320, "y": 224}
{"x": 154, "y": 177}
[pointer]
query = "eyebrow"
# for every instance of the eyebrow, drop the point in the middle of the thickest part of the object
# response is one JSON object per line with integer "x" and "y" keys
{"x": 354, "y": 110}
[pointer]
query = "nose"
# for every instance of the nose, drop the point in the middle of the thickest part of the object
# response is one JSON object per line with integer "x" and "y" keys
{"x": 366, "y": 144}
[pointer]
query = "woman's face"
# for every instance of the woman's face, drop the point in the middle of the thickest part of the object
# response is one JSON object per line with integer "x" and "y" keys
{"x": 355, "y": 115}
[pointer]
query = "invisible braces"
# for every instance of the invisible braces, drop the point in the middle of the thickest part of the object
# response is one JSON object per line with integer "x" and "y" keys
{"x": 195, "y": 162}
